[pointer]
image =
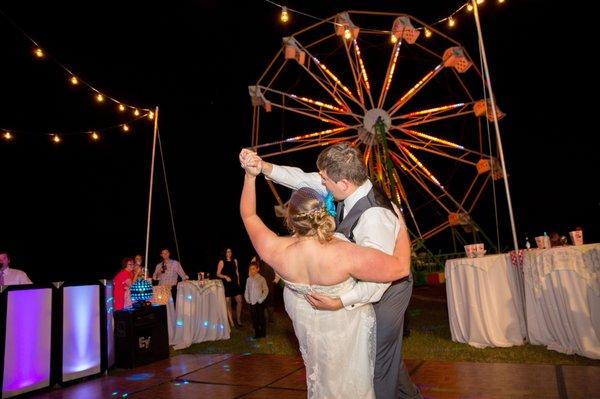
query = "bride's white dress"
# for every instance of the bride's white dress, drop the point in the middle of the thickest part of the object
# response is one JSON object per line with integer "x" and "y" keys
{"x": 338, "y": 347}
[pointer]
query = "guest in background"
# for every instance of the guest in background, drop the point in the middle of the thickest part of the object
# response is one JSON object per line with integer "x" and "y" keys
{"x": 139, "y": 267}
{"x": 255, "y": 295}
{"x": 167, "y": 271}
{"x": 10, "y": 276}
{"x": 122, "y": 282}
{"x": 272, "y": 279}
{"x": 227, "y": 270}
{"x": 555, "y": 240}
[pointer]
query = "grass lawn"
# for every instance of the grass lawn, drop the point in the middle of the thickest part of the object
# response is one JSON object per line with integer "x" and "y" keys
{"x": 429, "y": 339}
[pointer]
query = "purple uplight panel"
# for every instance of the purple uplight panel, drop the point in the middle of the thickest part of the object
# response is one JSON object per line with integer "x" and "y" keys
{"x": 27, "y": 350}
{"x": 81, "y": 331}
{"x": 110, "y": 325}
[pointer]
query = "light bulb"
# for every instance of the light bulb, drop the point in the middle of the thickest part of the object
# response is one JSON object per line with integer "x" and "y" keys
{"x": 95, "y": 136}
{"x": 121, "y": 107}
{"x": 136, "y": 112}
{"x": 150, "y": 115}
{"x": 125, "y": 128}
{"x": 427, "y": 33}
{"x": 469, "y": 7}
{"x": 451, "y": 22}
{"x": 38, "y": 53}
{"x": 99, "y": 98}
{"x": 347, "y": 34}
{"x": 284, "y": 15}
{"x": 74, "y": 80}
{"x": 7, "y": 136}
{"x": 393, "y": 39}
{"x": 56, "y": 138}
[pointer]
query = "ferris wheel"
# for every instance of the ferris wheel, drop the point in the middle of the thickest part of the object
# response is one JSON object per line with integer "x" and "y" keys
{"x": 416, "y": 107}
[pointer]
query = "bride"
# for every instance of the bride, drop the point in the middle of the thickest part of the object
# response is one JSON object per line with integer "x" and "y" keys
{"x": 338, "y": 347}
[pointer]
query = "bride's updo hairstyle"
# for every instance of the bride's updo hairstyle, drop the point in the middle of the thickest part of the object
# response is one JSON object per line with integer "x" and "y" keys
{"x": 307, "y": 216}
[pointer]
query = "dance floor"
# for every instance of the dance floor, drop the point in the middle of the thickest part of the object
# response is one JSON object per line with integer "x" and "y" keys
{"x": 282, "y": 377}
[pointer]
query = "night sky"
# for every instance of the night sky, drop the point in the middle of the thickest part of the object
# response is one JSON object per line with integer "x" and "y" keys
{"x": 72, "y": 211}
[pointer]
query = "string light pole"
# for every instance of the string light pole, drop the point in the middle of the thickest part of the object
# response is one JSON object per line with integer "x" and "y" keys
{"x": 488, "y": 83}
{"x": 154, "y": 139}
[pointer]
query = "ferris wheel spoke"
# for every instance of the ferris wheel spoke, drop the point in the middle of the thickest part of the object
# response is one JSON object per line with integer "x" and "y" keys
{"x": 311, "y": 113}
{"x": 330, "y": 82}
{"x": 442, "y": 110}
{"x": 415, "y": 89}
{"x": 411, "y": 170}
{"x": 424, "y": 172}
{"x": 355, "y": 73}
{"x": 320, "y": 135}
{"x": 316, "y": 106}
{"x": 389, "y": 74}
{"x": 302, "y": 146}
{"x": 436, "y": 146}
{"x": 363, "y": 77}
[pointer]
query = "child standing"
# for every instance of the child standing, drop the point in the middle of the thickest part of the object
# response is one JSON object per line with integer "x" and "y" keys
{"x": 255, "y": 294}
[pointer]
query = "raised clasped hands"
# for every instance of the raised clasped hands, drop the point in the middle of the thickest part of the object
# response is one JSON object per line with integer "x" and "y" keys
{"x": 251, "y": 162}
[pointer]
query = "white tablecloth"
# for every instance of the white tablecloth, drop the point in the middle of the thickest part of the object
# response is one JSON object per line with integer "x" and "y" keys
{"x": 562, "y": 295}
{"x": 201, "y": 313}
{"x": 162, "y": 296}
{"x": 485, "y": 301}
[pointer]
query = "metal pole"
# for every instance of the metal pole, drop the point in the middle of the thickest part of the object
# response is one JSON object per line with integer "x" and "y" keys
{"x": 497, "y": 127}
{"x": 150, "y": 192}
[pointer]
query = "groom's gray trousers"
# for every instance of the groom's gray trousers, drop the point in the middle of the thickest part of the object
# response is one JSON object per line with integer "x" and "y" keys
{"x": 391, "y": 379}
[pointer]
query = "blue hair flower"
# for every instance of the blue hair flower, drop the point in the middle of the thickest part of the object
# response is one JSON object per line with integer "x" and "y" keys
{"x": 329, "y": 204}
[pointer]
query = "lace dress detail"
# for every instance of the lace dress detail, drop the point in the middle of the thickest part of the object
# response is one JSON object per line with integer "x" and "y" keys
{"x": 338, "y": 347}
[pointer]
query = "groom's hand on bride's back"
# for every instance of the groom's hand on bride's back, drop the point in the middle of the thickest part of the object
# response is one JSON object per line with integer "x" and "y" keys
{"x": 324, "y": 302}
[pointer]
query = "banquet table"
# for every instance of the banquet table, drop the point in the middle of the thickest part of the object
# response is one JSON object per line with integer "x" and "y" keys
{"x": 201, "y": 313}
{"x": 562, "y": 296}
{"x": 162, "y": 296}
{"x": 485, "y": 301}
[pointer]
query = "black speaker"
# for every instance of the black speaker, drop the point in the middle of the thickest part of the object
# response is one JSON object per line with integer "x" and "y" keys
{"x": 141, "y": 335}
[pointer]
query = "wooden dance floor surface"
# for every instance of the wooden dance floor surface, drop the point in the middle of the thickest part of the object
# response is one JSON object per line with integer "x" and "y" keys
{"x": 282, "y": 377}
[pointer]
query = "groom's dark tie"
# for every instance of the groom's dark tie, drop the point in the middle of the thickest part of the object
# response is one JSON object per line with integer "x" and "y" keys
{"x": 340, "y": 212}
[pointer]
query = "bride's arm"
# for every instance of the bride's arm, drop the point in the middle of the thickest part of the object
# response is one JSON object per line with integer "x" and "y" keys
{"x": 266, "y": 243}
{"x": 370, "y": 264}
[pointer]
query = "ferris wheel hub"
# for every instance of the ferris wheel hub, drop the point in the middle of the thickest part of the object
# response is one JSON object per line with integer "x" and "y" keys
{"x": 367, "y": 132}
{"x": 371, "y": 118}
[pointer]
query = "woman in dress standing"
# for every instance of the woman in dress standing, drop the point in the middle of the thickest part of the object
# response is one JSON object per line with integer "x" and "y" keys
{"x": 227, "y": 270}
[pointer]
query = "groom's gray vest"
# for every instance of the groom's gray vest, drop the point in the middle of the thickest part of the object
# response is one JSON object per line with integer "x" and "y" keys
{"x": 372, "y": 199}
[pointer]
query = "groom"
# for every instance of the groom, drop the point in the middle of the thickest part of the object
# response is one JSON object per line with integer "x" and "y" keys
{"x": 367, "y": 218}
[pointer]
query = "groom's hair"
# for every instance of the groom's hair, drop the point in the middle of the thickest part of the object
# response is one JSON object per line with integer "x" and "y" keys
{"x": 343, "y": 161}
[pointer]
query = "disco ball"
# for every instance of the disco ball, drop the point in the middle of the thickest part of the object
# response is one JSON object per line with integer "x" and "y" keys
{"x": 141, "y": 292}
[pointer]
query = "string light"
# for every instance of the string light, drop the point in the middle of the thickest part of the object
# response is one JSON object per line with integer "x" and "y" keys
{"x": 7, "y": 136}
{"x": 284, "y": 15}
{"x": 121, "y": 107}
{"x": 56, "y": 138}
{"x": 95, "y": 136}
{"x": 125, "y": 127}
{"x": 38, "y": 52}
{"x": 150, "y": 115}
{"x": 347, "y": 34}
{"x": 393, "y": 39}
{"x": 136, "y": 112}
